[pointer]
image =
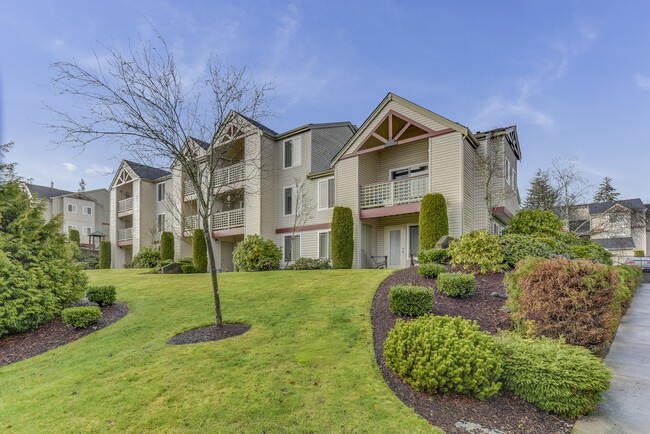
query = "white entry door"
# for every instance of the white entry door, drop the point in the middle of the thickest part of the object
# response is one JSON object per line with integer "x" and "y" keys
{"x": 395, "y": 246}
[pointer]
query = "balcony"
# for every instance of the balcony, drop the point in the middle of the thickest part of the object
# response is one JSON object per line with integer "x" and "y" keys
{"x": 189, "y": 193}
{"x": 125, "y": 207}
{"x": 190, "y": 223}
{"x": 228, "y": 222}
{"x": 124, "y": 236}
{"x": 404, "y": 195}
{"x": 229, "y": 175}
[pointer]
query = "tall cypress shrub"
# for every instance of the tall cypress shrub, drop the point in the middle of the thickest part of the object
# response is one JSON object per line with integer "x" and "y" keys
{"x": 342, "y": 237}
{"x": 433, "y": 220}
{"x": 166, "y": 246}
{"x": 199, "y": 251}
{"x": 104, "y": 254}
{"x": 73, "y": 236}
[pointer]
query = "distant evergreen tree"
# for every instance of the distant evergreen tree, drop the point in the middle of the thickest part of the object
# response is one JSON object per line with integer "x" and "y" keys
{"x": 541, "y": 194}
{"x": 82, "y": 185}
{"x": 606, "y": 192}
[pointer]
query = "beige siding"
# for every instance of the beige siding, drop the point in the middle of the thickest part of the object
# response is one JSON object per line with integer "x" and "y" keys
{"x": 253, "y": 186}
{"x": 469, "y": 169}
{"x": 445, "y": 174}
{"x": 268, "y": 188}
{"x": 401, "y": 156}
{"x": 147, "y": 219}
{"x": 347, "y": 189}
{"x": 368, "y": 168}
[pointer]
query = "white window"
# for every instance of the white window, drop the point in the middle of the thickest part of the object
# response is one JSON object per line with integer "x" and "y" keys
{"x": 72, "y": 208}
{"x": 291, "y": 248}
{"x": 326, "y": 193}
{"x": 87, "y": 210}
{"x": 407, "y": 172}
{"x": 86, "y": 230}
{"x": 507, "y": 172}
{"x": 160, "y": 223}
{"x": 160, "y": 189}
{"x": 324, "y": 245}
{"x": 292, "y": 152}
{"x": 288, "y": 200}
{"x": 496, "y": 228}
{"x": 70, "y": 227}
{"x": 414, "y": 240}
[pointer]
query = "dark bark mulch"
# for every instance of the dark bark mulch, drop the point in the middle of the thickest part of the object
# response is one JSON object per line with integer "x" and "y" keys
{"x": 503, "y": 411}
{"x": 52, "y": 334}
{"x": 209, "y": 333}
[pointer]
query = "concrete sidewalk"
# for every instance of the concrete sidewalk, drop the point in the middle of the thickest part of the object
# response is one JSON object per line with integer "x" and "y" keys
{"x": 627, "y": 405}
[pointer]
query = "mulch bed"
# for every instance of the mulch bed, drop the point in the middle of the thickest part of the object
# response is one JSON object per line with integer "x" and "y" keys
{"x": 504, "y": 411}
{"x": 52, "y": 334}
{"x": 209, "y": 333}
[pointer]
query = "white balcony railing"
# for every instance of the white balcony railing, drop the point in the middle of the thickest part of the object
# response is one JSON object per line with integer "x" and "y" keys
{"x": 125, "y": 205}
{"x": 188, "y": 188}
{"x": 396, "y": 192}
{"x": 125, "y": 234}
{"x": 229, "y": 175}
{"x": 190, "y": 223}
{"x": 228, "y": 219}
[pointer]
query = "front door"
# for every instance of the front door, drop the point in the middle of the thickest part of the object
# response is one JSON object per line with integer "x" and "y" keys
{"x": 395, "y": 246}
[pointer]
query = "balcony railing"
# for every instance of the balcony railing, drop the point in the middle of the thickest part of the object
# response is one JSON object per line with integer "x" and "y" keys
{"x": 125, "y": 205}
{"x": 125, "y": 234}
{"x": 396, "y": 192}
{"x": 229, "y": 175}
{"x": 228, "y": 219}
{"x": 188, "y": 188}
{"x": 190, "y": 223}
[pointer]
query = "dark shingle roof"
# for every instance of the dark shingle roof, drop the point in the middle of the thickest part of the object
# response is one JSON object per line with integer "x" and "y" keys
{"x": 201, "y": 143}
{"x": 601, "y": 207}
{"x": 259, "y": 125}
{"x": 326, "y": 141}
{"x": 147, "y": 172}
{"x": 45, "y": 192}
{"x": 616, "y": 243}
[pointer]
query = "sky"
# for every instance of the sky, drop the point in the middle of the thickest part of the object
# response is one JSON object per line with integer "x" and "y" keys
{"x": 574, "y": 76}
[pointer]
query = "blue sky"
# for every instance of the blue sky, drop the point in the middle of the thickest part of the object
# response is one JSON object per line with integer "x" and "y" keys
{"x": 573, "y": 76}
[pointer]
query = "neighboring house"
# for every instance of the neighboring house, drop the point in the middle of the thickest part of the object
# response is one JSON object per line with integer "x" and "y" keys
{"x": 274, "y": 184}
{"x": 85, "y": 211}
{"x": 140, "y": 209}
{"x": 621, "y": 226}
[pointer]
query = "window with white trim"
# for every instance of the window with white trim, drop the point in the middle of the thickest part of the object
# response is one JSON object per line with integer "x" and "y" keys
{"x": 72, "y": 208}
{"x": 288, "y": 200}
{"x": 325, "y": 245}
{"x": 87, "y": 210}
{"x": 86, "y": 230}
{"x": 507, "y": 174}
{"x": 292, "y": 152}
{"x": 160, "y": 191}
{"x": 70, "y": 227}
{"x": 160, "y": 223}
{"x": 408, "y": 172}
{"x": 326, "y": 193}
{"x": 291, "y": 248}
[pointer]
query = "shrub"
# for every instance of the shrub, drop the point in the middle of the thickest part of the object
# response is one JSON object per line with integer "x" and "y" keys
{"x": 188, "y": 269}
{"x": 534, "y": 222}
{"x": 73, "y": 236}
{"x": 439, "y": 256}
{"x": 517, "y": 247}
{"x": 104, "y": 255}
{"x": 557, "y": 377}
{"x": 410, "y": 300}
{"x": 433, "y": 220}
{"x": 310, "y": 264}
{"x": 89, "y": 260}
{"x": 431, "y": 270}
{"x": 639, "y": 253}
{"x": 629, "y": 277}
{"x": 256, "y": 254}
{"x": 102, "y": 295}
{"x": 457, "y": 284}
{"x": 147, "y": 257}
{"x": 199, "y": 251}
{"x": 186, "y": 260}
{"x": 478, "y": 251}
{"x": 167, "y": 246}
{"x": 442, "y": 355}
{"x": 570, "y": 298}
{"x": 342, "y": 243}
{"x": 80, "y": 317}
{"x": 591, "y": 250}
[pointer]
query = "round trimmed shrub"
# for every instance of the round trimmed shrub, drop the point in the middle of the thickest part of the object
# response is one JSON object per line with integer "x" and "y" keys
{"x": 186, "y": 260}
{"x": 102, "y": 295}
{"x": 147, "y": 257}
{"x": 565, "y": 379}
{"x": 342, "y": 237}
{"x": 104, "y": 255}
{"x": 310, "y": 264}
{"x": 256, "y": 254}
{"x": 433, "y": 220}
{"x": 199, "y": 251}
{"x": 167, "y": 246}
{"x": 456, "y": 284}
{"x": 478, "y": 251}
{"x": 188, "y": 269}
{"x": 438, "y": 354}
{"x": 439, "y": 256}
{"x": 410, "y": 300}
{"x": 535, "y": 222}
{"x": 73, "y": 236}
{"x": 80, "y": 317}
{"x": 431, "y": 270}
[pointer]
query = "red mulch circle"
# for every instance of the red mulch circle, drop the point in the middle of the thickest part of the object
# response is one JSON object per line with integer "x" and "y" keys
{"x": 52, "y": 334}
{"x": 209, "y": 333}
{"x": 503, "y": 411}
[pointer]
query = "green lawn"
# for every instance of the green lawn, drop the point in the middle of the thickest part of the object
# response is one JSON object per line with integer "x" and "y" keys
{"x": 307, "y": 364}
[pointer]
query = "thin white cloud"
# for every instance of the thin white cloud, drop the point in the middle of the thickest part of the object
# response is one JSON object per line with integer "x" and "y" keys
{"x": 69, "y": 166}
{"x": 99, "y": 170}
{"x": 643, "y": 82}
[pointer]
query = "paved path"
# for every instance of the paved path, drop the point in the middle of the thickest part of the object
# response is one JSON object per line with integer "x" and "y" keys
{"x": 627, "y": 405}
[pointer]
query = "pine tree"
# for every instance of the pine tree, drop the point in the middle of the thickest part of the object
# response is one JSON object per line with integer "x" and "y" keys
{"x": 541, "y": 194}
{"x": 82, "y": 185}
{"x": 606, "y": 192}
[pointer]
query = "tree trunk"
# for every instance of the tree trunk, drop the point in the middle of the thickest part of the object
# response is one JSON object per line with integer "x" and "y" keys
{"x": 213, "y": 272}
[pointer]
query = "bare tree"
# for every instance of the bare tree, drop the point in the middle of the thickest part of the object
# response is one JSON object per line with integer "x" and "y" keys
{"x": 570, "y": 184}
{"x": 137, "y": 99}
{"x": 301, "y": 212}
{"x": 491, "y": 171}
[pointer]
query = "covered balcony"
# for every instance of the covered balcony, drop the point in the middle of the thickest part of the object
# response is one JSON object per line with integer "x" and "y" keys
{"x": 227, "y": 223}
{"x": 190, "y": 223}
{"x": 125, "y": 237}
{"x": 189, "y": 192}
{"x": 230, "y": 176}
{"x": 125, "y": 207}
{"x": 400, "y": 196}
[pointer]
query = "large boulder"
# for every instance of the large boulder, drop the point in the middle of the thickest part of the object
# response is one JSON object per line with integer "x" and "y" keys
{"x": 444, "y": 241}
{"x": 173, "y": 268}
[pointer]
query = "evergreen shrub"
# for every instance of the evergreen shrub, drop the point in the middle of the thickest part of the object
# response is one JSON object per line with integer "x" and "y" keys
{"x": 431, "y": 270}
{"x": 438, "y": 354}
{"x": 310, "y": 264}
{"x": 147, "y": 257}
{"x": 478, "y": 251}
{"x": 439, "y": 256}
{"x": 517, "y": 247}
{"x": 102, "y": 295}
{"x": 639, "y": 253}
{"x": 80, "y": 317}
{"x": 255, "y": 253}
{"x": 188, "y": 269}
{"x": 105, "y": 255}
{"x": 433, "y": 220}
{"x": 73, "y": 236}
{"x": 456, "y": 284}
{"x": 342, "y": 237}
{"x": 535, "y": 222}
{"x": 199, "y": 251}
{"x": 167, "y": 246}
{"x": 410, "y": 300}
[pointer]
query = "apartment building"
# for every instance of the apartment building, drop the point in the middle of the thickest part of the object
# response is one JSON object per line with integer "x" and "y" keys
{"x": 283, "y": 186}
{"x": 85, "y": 211}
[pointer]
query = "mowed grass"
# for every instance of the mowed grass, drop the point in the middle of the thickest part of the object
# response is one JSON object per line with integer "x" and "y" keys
{"x": 307, "y": 364}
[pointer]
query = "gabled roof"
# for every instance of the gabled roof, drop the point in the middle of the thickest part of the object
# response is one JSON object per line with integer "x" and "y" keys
{"x": 511, "y": 137}
{"x": 46, "y": 192}
{"x": 205, "y": 145}
{"x": 147, "y": 172}
{"x": 601, "y": 207}
{"x": 258, "y": 125}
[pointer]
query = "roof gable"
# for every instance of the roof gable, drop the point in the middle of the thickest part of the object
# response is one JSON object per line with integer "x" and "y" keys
{"x": 44, "y": 192}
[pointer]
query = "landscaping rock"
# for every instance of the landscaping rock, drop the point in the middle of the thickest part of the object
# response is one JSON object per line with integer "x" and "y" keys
{"x": 174, "y": 268}
{"x": 500, "y": 295}
{"x": 444, "y": 241}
